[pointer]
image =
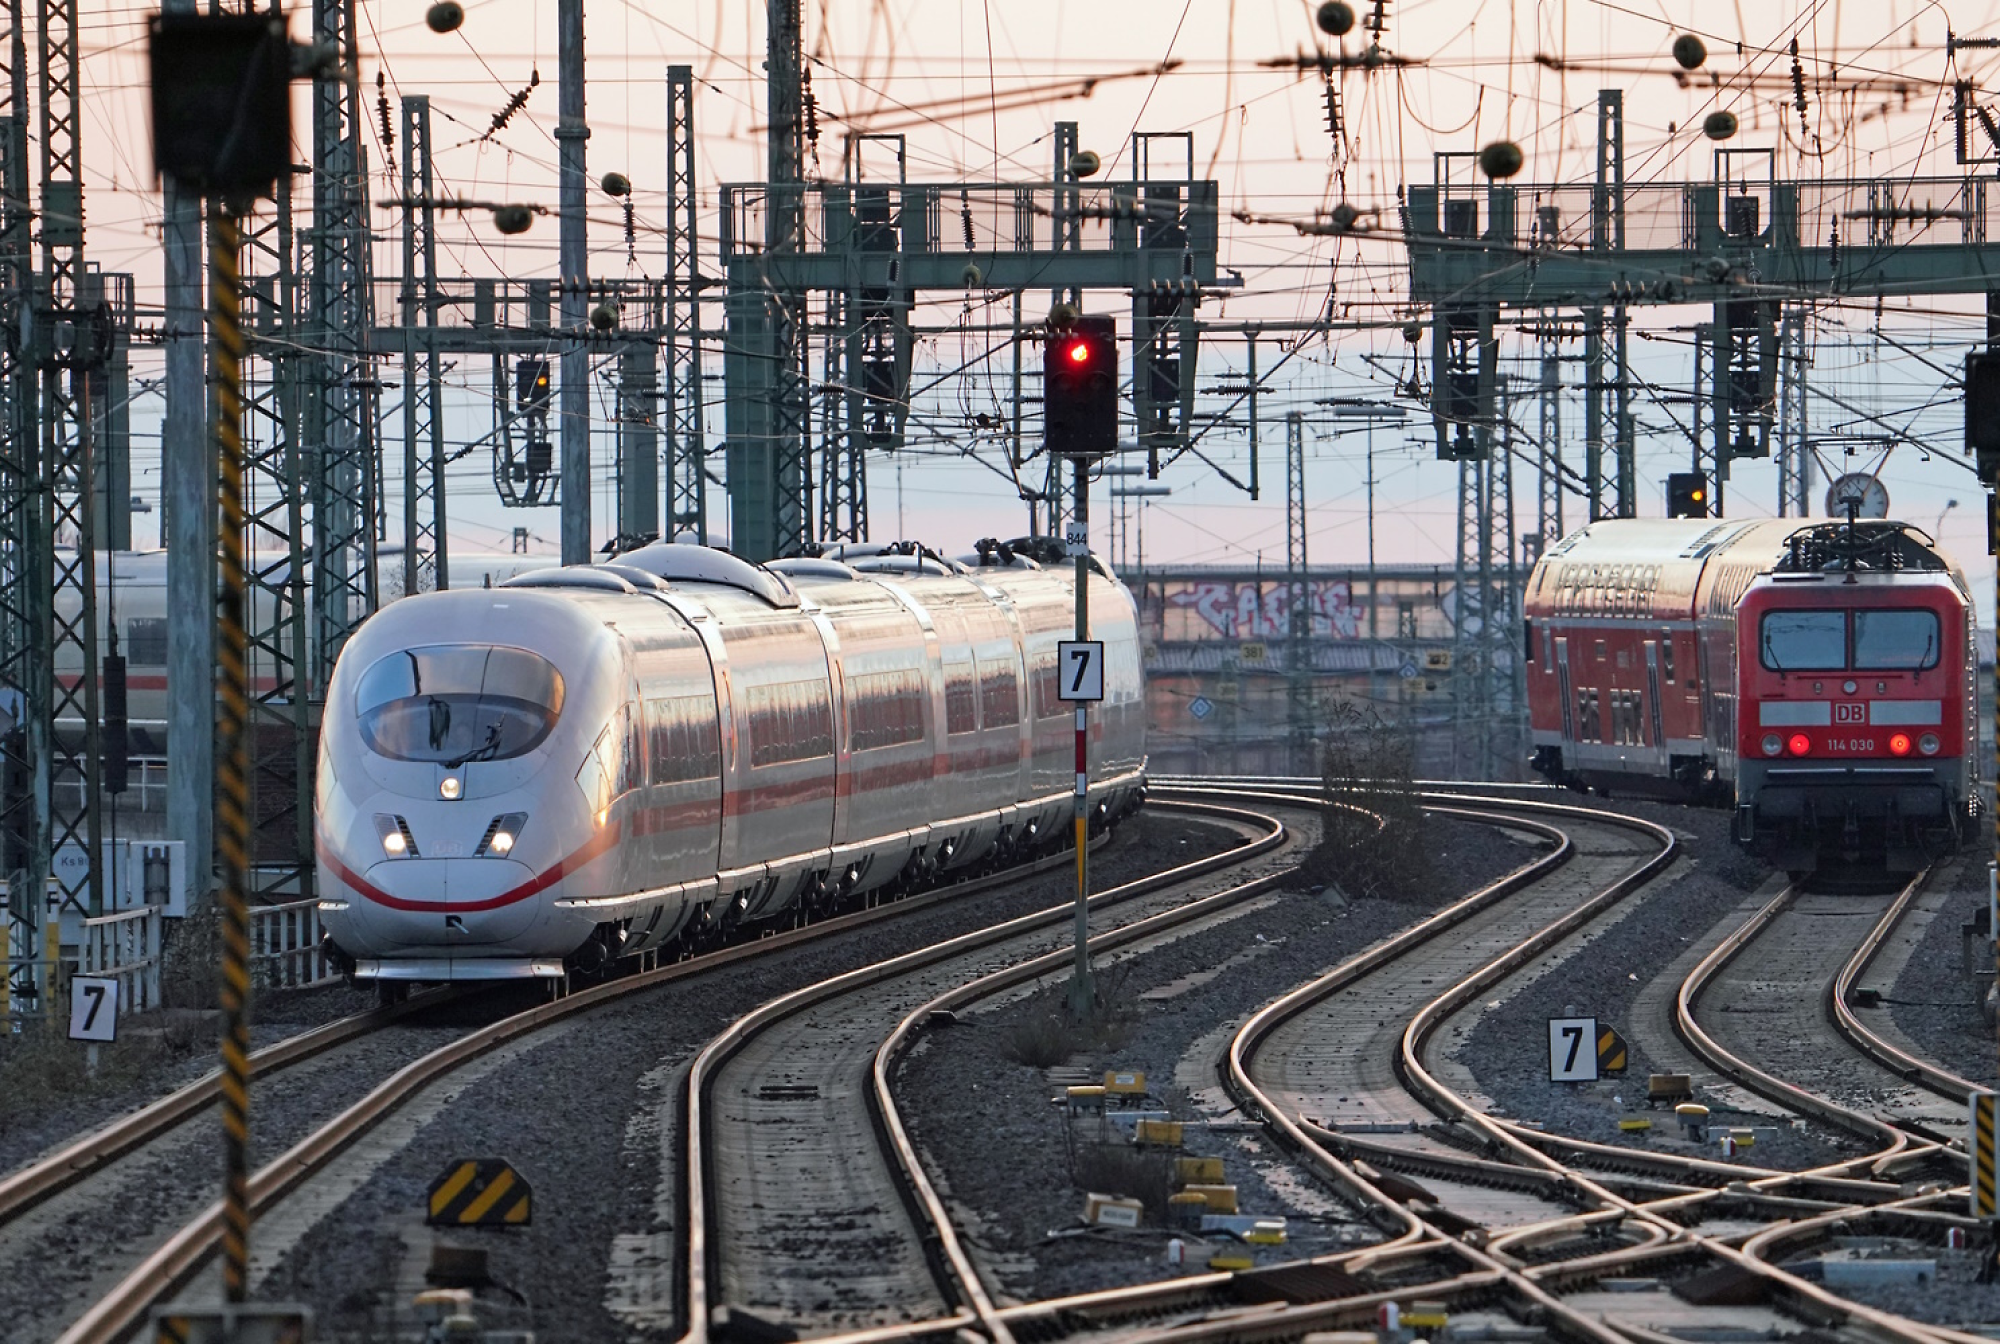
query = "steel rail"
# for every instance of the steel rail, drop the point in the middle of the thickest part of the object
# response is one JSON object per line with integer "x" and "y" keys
{"x": 21, "y": 1190}
{"x": 1922, "y": 1072}
{"x": 916, "y": 1179}
{"x": 957, "y": 1278}
{"x": 122, "y": 1310}
{"x": 1806, "y": 1300}
{"x": 1896, "y": 1143}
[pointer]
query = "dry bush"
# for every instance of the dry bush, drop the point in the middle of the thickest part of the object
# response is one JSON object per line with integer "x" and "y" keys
{"x": 1040, "y": 1041}
{"x": 1372, "y": 842}
{"x": 189, "y": 962}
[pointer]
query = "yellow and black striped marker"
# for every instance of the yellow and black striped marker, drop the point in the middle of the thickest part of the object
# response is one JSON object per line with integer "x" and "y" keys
{"x": 480, "y": 1192}
{"x": 1611, "y": 1051}
{"x": 1985, "y": 1201}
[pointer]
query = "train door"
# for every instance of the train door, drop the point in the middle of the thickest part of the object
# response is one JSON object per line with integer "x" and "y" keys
{"x": 1568, "y": 698}
{"x": 1653, "y": 692}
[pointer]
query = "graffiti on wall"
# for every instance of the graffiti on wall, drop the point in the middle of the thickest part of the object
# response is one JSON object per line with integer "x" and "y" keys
{"x": 1249, "y": 610}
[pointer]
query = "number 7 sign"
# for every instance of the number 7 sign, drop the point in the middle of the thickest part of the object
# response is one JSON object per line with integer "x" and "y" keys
{"x": 1080, "y": 669}
{"x": 1572, "y": 1049}
{"x": 93, "y": 1009}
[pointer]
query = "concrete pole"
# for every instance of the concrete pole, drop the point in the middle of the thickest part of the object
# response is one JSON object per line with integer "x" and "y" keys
{"x": 187, "y": 516}
{"x": 571, "y": 132}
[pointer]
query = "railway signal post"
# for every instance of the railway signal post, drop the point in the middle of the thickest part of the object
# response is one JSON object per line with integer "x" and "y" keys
{"x": 1080, "y": 422}
{"x": 222, "y": 126}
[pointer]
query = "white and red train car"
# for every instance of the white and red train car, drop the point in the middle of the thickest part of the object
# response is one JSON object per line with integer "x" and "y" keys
{"x": 584, "y": 763}
{"x": 1820, "y": 677}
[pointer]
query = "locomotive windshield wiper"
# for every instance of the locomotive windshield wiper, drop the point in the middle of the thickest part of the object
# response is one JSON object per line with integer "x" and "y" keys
{"x": 1771, "y": 655}
{"x": 485, "y": 751}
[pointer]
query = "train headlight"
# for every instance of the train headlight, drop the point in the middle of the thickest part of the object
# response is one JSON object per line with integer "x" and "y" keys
{"x": 1899, "y": 744}
{"x": 395, "y": 834}
{"x": 1773, "y": 744}
{"x": 1800, "y": 744}
{"x": 450, "y": 787}
{"x": 1928, "y": 744}
{"x": 501, "y": 833}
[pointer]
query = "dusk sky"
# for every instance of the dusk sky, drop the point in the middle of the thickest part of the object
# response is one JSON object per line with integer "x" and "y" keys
{"x": 976, "y": 86}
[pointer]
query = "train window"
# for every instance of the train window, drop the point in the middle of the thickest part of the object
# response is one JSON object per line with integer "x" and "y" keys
{"x": 1895, "y": 641}
{"x": 1667, "y": 654}
{"x": 454, "y": 703}
{"x": 1804, "y": 641}
{"x": 791, "y": 721}
{"x": 632, "y": 754}
{"x": 961, "y": 698}
{"x": 999, "y": 694}
{"x": 683, "y": 739}
{"x": 884, "y": 709}
{"x": 146, "y": 641}
{"x": 1048, "y": 691}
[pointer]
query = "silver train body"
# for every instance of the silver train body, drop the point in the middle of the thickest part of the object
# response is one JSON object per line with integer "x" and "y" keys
{"x": 591, "y": 762}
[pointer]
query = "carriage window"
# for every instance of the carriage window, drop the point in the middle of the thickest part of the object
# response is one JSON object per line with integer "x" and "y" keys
{"x": 146, "y": 641}
{"x": 1048, "y": 686}
{"x": 884, "y": 709}
{"x": 791, "y": 721}
{"x": 999, "y": 694}
{"x": 454, "y": 703}
{"x": 683, "y": 741}
{"x": 961, "y": 698}
{"x": 1895, "y": 641}
{"x": 1804, "y": 641}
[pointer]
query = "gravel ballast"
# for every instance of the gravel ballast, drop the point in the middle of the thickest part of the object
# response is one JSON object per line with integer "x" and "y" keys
{"x": 587, "y": 1109}
{"x": 997, "y": 1148}
{"x": 1934, "y": 1002}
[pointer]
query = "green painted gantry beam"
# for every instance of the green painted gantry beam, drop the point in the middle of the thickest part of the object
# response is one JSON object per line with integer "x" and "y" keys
{"x": 1581, "y": 246}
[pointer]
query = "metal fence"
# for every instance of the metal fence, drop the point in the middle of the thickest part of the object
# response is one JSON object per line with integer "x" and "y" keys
{"x": 285, "y": 951}
{"x": 125, "y": 947}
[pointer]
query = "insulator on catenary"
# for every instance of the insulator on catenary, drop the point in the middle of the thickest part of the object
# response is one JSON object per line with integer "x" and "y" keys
{"x": 965, "y": 220}
{"x": 811, "y": 107}
{"x": 382, "y": 107}
{"x": 1333, "y": 126}
{"x": 1798, "y": 81}
{"x": 514, "y": 104}
{"x": 631, "y": 231}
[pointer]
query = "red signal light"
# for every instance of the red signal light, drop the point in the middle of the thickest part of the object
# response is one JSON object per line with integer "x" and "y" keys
{"x": 1800, "y": 744}
{"x": 1079, "y": 352}
{"x": 1899, "y": 744}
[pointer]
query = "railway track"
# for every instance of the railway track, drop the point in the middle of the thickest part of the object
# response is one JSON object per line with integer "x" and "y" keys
{"x": 1547, "y": 1267}
{"x": 806, "y": 1204}
{"x": 281, "y": 1190}
{"x": 1780, "y": 1033}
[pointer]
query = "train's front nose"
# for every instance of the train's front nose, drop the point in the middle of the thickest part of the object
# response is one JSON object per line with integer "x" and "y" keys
{"x": 418, "y": 906}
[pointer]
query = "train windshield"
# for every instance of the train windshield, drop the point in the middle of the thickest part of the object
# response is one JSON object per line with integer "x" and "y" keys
{"x": 1903, "y": 640}
{"x": 455, "y": 703}
{"x": 1804, "y": 641}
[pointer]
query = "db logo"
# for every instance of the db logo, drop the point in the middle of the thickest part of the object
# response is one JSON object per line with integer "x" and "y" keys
{"x": 1853, "y": 711}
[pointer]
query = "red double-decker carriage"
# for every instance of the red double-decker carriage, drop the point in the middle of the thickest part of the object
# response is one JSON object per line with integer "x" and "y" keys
{"x": 1818, "y": 676}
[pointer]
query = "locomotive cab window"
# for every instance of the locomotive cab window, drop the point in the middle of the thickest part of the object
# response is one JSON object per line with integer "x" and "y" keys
{"x": 450, "y": 704}
{"x": 1904, "y": 640}
{"x": 1900, "y": 640}
{"x": 1803, "y": 641}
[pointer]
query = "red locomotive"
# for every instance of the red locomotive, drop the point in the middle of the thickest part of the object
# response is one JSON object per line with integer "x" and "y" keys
{"x": 1819, "y": 676}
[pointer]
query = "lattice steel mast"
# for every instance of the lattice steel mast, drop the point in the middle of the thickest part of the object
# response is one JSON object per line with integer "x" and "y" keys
{"x": 686, "y": 455}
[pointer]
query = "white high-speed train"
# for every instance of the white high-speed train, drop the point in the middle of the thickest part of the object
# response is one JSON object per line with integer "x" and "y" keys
{"x": 590, "y": 762}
